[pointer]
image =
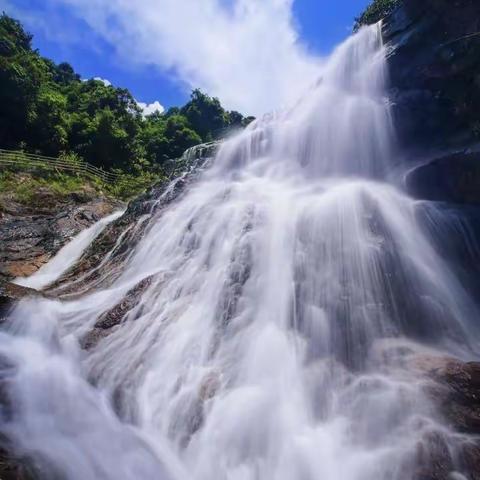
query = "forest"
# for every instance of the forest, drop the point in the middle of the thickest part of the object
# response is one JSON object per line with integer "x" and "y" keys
{"x": 47, "y": 108}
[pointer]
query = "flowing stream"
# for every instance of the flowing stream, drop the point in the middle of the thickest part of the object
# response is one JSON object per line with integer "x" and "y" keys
{"x": 291, "y": 289}
{"x": 67, "y": 256}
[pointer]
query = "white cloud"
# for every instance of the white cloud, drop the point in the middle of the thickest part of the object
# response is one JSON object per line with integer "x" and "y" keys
{"x": 149, "y": 108}
{"x": 106, "y": 82}
{"x": 247, "y": 53}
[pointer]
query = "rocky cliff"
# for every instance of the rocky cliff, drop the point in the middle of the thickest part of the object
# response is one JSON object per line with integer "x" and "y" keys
{"x": 435, "y": 93}
{"x": 32, "y": 233}
{"x": 435, "y": 73}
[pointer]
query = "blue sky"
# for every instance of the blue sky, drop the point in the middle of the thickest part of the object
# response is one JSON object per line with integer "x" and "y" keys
{"x": 114, "y": 45}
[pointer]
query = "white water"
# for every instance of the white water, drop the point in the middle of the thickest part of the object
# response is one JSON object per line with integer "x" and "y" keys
{"x": 292, "y": 289}
{"x": 67, "y": 256}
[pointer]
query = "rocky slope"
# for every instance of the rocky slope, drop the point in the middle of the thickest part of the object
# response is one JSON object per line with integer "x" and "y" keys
{"x": 31, "y": 234}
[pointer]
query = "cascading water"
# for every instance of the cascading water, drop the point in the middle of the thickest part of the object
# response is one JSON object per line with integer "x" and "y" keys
{"x": 67, "y": 256}
{"x": 289, "y": 292}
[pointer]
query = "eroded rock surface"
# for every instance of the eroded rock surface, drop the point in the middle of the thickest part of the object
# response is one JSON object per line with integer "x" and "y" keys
{"x": 31, "y": 235}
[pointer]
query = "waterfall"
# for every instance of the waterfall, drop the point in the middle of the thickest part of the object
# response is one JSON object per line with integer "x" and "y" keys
{"x": 66, "y": 256}
{"x": 284, "y": 301}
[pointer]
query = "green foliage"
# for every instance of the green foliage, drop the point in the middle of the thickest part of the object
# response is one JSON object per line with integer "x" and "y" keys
{"x": 208, "y": 118}
{"x": 46, "y": 109}
{"x": 25, "y": 188}
{"x": 22, "y": 73}
{"x": 377, "y": 10}
{"x": 205, "y": 115}
{"x": 131, "y": 184}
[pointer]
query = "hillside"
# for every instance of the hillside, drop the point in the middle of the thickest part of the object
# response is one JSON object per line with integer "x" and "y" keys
{"x": 47, "y": 108}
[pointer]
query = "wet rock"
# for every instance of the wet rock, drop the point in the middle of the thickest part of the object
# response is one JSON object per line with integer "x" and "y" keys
{"x": 32, "y": 234}
{"x": 434, "y": 461}
{"x": 470, "y": 459}
{"x": 454, "y": 388}
{"x": 12, "y": 468}
{"x": 461, "y": 405}
{"x": 454, "y": 178}
{"x": 434, "y": 63}
{"x": 11, "y": 294}
{"x": 115, "y": 316}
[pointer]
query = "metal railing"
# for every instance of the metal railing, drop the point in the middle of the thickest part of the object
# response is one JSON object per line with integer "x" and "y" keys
{"x": 17, "y": 159}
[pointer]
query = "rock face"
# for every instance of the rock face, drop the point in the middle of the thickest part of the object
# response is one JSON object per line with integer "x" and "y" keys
{"x": 435, "y": 91}
{"x": 31, "y": 235}
{"x": 435, "y": 72}
{"x": 454, "y": 178}
{"x": 454, "y": 388}
{"x": 434, "y": 68}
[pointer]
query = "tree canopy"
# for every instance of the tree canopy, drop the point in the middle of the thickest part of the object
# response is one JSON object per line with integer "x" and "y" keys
{"x": 377, "y": 10}
{"x": 47, "y": 108}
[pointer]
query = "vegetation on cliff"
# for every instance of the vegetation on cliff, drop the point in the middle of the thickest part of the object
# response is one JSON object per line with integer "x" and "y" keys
{"x": 48, "y": 109}
{"x": 377, "y": 10}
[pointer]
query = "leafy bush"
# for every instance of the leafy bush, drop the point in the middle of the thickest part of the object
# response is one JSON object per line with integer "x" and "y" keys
{"x": 377, "y": 10}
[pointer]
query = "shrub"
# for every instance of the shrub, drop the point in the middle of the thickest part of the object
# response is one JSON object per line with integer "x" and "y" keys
{"x": 377, "y": 10}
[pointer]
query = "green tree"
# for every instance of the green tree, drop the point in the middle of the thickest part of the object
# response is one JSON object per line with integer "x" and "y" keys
{"x": 375, "y": 12}
{"x": 22, "y": 72}
{"x": 49, "y": 124}
{"x": 46, "y": 108}
{"x": 206, "y": 115}
{"x": 64, "y": 74}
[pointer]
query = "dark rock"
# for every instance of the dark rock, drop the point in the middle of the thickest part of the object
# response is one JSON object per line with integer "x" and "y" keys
{"x": 12, "y": 468}
{"x": 470, "y": 459}
{"x": 434, "y": 63}
{"x": 434, "y": 461}
{"x": 454, "y": 387}
{"x": 455, "y": 390}
{"x": 115, "y": 316}
{"x": 454, "y": 178}
{"x": 462, "y": 404}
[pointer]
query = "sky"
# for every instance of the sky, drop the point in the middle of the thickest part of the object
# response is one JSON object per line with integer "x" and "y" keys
{"x": 255, "y": 55}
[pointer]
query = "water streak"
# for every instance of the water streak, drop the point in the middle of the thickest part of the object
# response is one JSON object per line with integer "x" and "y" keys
{"x": 67, "y": 256}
